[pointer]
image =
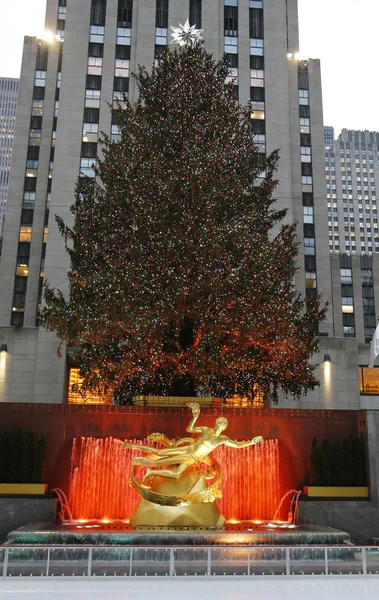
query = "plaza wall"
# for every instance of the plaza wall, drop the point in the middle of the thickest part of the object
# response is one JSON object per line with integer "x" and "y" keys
{"x": 293, "y": 428}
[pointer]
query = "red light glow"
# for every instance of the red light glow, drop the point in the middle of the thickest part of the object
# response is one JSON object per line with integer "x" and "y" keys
{"x": 101, "y": 468}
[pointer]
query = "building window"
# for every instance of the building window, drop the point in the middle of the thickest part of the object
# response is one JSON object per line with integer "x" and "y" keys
{"x": 256, "y": 78}
{"x": 86, "y": 167}
{"x": 195, "y": 13}
{"x": 98, "y": 10}
{"x": 231, "y": 45}
{"x": 303, "y": 97}
{"x": 37, "y": 108}
{"x": 309, "y": 246}
{"x": 346, "y": 276}
{"x": 230, "y": 21}
{"x": 256, "y": 47}
{"x": 19, "y": 293}
{"x": 29, "y": 199}
{"x": 308, "y": 214}
{"x": 256, "y": 23}
{"x": 96, "y": 34}
{"x": 115, "y": 133}
{"x": 304, "y": 125}
{"x": 61, "y": 12}
{"x": 125, "y": 13}
{"x": 124, "y": 36}
{"x": 305, "y": 152}
{"x": 121, "y": 68}
{"x": 92, "y": 99}
{"x": 90, "y": 398}
{"x": 90, "y": 132}
{"x": 161, "y": 15}
{"x": 95, "y": 65}
{"x": 348, "y": 323}
{"x": 40, "y": 79}
{"x": 161, "y": 36}
{"x": 91, "y": 115}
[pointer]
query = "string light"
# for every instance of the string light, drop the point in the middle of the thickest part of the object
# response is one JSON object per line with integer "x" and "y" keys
{"x": 176, "y": 273}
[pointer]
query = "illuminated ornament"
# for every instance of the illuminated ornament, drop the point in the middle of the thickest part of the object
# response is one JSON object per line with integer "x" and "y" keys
{"x": 186, "y": 34}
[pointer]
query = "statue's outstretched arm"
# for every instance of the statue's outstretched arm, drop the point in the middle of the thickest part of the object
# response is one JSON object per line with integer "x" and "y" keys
{"x": 158, "y": 451}
{"x": 244, "y": 444}
{"x": 161, "y": 438}
{"x": 195, "y": 407}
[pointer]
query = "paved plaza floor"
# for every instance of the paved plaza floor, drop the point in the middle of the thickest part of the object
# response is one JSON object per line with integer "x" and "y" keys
{"x": 347, "y": 588}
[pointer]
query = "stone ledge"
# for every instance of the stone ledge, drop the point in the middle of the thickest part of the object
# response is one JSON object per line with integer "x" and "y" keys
{"x": 18, "y": 511}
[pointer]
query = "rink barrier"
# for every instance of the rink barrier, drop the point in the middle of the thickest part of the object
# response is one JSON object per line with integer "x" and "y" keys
{"x": 190, "y": 561}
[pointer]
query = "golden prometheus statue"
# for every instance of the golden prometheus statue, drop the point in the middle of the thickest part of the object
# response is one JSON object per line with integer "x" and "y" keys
{"x": 173, "y": 489}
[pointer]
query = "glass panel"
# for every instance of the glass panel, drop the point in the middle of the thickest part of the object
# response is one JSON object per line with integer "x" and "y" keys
{"x": 22, "y": 270}
{"x": 307, "y": 561}
{"x": 267, "y": 561}
{"x": 68, "y": 561}
{"x": 151, "y": 561}
{"x": 25, "y": 234}
{"x": 2, "y": 554}
{"x": 190, "y": 561}
{"x": 369, "y": 381}
{"x": 229, "y": 561}
{"x": 345, "y": 561}
{"x": 110, "y": 562}
{"x": 27, "y": 562}
{"x": 372, "y": 560}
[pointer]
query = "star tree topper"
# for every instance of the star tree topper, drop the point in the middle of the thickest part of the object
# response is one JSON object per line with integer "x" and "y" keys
{"x": 186, "y": 34}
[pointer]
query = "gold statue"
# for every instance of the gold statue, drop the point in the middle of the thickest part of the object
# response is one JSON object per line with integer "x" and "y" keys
{"x": 176, "y": 490}
{"x": 180, "y": 457}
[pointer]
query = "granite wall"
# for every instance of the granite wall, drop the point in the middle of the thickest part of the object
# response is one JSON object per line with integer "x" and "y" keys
{"x": 360, "y": 518}
{"x": 16, "y": 512}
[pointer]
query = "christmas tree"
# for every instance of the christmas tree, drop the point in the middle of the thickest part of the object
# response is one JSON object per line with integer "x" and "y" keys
{"x": 176, "y": 272}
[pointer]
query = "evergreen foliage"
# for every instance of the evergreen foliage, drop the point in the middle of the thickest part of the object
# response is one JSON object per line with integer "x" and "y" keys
{"x": 5, "y": 445}
{"x": 325, "y": 462}
{"x": 337, "y": 464}
{"x": 16, "y": 455}
{"x": 177, "y": 274}
{"x": 22, "y": 458}
{"x": 27, "y": 460}
{"x": 39, "y": 468}
{"x": 314, "y": 464}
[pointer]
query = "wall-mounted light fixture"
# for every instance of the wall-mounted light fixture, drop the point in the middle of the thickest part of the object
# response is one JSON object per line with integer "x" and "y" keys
{"x": 327, "y": 358}
{"x": 3, "y": 348}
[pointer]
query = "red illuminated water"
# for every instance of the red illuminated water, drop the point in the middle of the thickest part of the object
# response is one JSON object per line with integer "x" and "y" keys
{"x": 100, "y": 471}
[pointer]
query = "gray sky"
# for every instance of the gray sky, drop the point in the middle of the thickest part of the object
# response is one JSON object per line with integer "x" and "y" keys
{"x": 342, "y": 33}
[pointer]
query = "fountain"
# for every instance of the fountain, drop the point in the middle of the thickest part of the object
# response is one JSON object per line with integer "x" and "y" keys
{"x": 101, "y": 469}
{"x": 104, "y": 509}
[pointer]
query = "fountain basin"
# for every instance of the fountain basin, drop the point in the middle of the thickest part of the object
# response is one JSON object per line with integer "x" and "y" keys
{"x": 120, "y": 534}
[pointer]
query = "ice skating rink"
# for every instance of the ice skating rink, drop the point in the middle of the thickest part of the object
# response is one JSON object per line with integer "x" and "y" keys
{"x": 346, "y": 588}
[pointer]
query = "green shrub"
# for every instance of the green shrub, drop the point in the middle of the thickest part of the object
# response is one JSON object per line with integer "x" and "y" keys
{"x": 22, "y": 458}
{"x": 341, "y": 463}
{"x": 4, "y": 455}
{"x": 314, "y": 464}
{"x": 326, "y": 462}
{"x": 40, "y": 460}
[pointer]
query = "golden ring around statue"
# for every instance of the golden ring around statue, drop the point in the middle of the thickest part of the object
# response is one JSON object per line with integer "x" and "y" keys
{"x": 209, "y": 494}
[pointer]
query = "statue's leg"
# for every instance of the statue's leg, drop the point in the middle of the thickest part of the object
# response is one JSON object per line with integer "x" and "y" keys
{"x": 159, "y": 451}
{"x": 159, "y": 462}
{"x": 167, "y": 472}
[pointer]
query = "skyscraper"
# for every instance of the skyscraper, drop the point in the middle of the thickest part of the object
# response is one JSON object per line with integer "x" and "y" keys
{"x": 8, "y": 104}
{"x": 352, "y": 171}
{"x": 328, "y": 136}
{"x": 67, "y": 81}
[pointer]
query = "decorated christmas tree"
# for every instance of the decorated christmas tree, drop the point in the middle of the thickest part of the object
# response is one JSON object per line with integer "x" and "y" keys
{"x": 176, "y": 273}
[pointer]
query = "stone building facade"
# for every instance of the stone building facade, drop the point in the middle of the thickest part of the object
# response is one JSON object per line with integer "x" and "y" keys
{"x": 67, "y": 80}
